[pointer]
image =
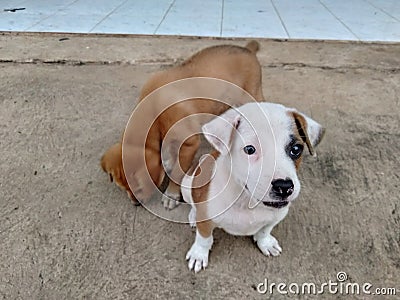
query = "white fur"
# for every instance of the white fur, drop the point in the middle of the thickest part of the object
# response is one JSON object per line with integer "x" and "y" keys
{"x": 187, "y": 196}
{"x": 198, "y": 253}
{"x": 242, "y": 182}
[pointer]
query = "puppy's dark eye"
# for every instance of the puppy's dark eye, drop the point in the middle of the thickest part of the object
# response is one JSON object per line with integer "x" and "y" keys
{"x": 295, "y": 151}
{"x": 249, "y": 149}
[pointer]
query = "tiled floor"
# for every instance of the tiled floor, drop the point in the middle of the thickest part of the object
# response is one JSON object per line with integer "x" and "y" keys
{"x": 366, "y": 20}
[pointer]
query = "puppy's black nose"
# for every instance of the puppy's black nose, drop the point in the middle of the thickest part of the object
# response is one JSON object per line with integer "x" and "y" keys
{"x": 282, "y": 188}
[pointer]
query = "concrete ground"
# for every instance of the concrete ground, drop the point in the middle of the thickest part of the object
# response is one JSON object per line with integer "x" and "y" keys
{"x": 67, "y": 233}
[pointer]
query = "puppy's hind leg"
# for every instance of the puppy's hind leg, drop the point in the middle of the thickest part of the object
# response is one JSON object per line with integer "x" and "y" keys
{"x": 111, "y": 163}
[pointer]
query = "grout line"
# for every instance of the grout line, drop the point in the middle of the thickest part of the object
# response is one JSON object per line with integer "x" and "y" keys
{"x": 109, "y": 14}
{"x": 341, "y": 22}
{"x": 382, "y": 10}
{"x": 165, "y": 15}
{"x": 222, "y": 18}
{"x": 280, "y": 18}
{"x": 45, "y": 18}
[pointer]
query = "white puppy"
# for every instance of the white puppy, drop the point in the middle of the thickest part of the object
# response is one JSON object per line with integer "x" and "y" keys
{"x": 247, "y": 184}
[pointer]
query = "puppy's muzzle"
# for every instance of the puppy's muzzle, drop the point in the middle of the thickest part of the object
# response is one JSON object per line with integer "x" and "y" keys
{"x": 282, "y": 188}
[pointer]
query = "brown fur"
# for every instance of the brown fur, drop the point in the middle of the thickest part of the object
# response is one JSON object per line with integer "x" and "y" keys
{"x": 300, "y": 131}
{"x": 238, "y": 65}
{"x": 301, "y": 126}
{"x": 203, "y": 174}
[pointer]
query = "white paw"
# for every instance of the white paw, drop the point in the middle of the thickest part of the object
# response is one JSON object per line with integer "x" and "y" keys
{"x": 198, "y": 258}
{"x": 192, "y": 217}
{"x": 269, "y": 245}
{"x": 170, "y": 201}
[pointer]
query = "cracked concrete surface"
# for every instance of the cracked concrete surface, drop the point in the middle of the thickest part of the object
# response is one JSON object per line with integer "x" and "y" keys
{"x": 67, "y": 233}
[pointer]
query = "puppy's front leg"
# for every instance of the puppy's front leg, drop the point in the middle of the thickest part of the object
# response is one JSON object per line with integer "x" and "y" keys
{"x": 266, "y": 242}
{"x": 170, "y": 198}
{"x": 198, "y": 253}
{"x": 186, "y": 154}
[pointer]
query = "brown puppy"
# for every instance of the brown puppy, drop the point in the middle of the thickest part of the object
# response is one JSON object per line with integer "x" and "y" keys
{"x": 234, "y": 64}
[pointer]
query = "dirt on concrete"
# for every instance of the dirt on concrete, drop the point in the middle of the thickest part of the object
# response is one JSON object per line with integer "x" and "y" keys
{"x": 67, "y": 233}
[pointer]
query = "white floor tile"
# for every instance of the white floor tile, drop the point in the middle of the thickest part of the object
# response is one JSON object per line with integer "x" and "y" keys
{"x": 11, "y": 4}
{"x": 390, "y": 7}
{"x": 190, "y": 25}
{"x": 369, "y": 20}
{"x": 310, "y": 20}
{"x": 128, "y": 24}
{"x": 44, "y": 7}
{"x": 197, "y": 17}
{"x": 135, "y": 17}
{"x": 366, "y": 21}
{"x": 96, "y": 7}
{"x": 251, "y": 18}
{"x": 18, "y": 21}
{"x": 145, "y": 8}
{"x": 68, "y": 23}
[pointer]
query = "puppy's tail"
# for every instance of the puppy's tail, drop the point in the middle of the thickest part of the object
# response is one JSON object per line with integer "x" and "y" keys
{"x": 253, "y": 46}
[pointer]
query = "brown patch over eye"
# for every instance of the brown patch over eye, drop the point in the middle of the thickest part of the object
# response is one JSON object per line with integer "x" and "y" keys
{"x": 301, "y": 129}
{"x": 295, "y": 150}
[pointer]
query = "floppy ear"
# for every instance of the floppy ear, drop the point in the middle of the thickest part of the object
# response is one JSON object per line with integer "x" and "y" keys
{"x": 219, "y": 131}
{"x": 310, "y": 131}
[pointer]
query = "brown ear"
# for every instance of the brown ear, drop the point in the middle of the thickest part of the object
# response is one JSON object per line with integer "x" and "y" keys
{"x": 219, "y": 131}
{"x": 310, "y": 131}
